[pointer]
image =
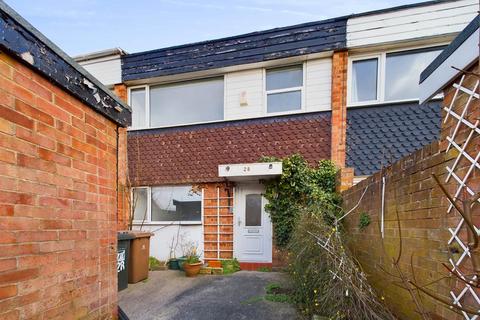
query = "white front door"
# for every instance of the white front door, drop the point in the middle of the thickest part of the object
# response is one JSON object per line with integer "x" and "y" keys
{"x": 252, "y": 225}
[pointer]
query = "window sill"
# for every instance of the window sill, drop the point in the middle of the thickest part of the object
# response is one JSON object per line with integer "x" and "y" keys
{"x": 164, "y": 223}
{"x": 263, "y": 116}
{"x": 380, "y": 103}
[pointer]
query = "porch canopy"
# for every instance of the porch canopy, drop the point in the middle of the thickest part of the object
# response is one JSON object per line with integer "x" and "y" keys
{"x": 250, "y": 171}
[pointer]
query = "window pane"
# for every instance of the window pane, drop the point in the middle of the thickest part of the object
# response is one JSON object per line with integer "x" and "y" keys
{"x": 139, "y": 204}
{"x": 176, "y": 203}
{"x": 364, "y": 80}
{"x": 283, "y": 78}
{"x": 402, "y": 73}
{"x": 187, "y": 102}
{"x": 137, "y": 101}
{"x": 253, "y": 210}
{"x": 285, "y": 101}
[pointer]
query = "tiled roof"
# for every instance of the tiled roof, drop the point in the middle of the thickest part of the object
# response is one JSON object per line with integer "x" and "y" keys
{"x": 384, "y": 134}
{"x": 306, "y": 38}
{"x": 191, "y": 154}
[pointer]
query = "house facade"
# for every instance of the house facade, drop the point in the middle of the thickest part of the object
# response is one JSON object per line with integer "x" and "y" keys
{"x": 204, "y": 114}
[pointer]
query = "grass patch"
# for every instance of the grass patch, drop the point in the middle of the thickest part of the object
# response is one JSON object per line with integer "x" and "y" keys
{"x": 264, "y": 269}
{"x": 276, "y": 293}
{"x": 252, "y": 300}
{"x": 282, "y": 298}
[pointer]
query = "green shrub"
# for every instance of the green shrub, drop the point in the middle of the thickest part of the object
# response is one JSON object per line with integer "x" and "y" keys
{"x": 327, "y": 279}
{"x": 364, "y": 220}
{"x": 299, "y": 186}
{"x": 153, "y": 263}
{"x": 230, "y": 266}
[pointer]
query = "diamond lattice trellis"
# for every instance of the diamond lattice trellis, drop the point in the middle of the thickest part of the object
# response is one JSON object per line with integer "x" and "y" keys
{"x": 462, "y": 180}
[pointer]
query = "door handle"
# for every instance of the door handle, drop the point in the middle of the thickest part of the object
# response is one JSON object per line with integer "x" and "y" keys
{"x": 239, "y": 222}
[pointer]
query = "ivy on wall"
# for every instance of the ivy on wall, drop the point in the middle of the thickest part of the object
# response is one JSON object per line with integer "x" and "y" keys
{"x": 299, "y": 186}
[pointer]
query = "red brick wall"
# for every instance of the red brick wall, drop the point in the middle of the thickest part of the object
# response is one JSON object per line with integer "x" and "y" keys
{"x": 422, "y": 210}
{"x": 215, "y": 234}
{"x": 339, "y": 107}
{"x": 123, "y": 195}
{"x": 57, "y": 202}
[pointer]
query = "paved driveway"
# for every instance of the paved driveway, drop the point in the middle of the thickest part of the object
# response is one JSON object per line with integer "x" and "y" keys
{"x": 170, "y": 295}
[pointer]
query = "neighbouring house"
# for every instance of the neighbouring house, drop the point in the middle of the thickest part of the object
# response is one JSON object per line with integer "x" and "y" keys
{"x": 431, "y": 241}
{"x": 59, "y": 173}
{"x": 205, "y": 113}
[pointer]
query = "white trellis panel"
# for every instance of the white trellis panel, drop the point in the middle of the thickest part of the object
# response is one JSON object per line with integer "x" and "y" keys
{"x": 461, "y": 179}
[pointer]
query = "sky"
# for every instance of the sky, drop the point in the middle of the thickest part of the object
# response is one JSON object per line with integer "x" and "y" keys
{"x": 83, "y": 26}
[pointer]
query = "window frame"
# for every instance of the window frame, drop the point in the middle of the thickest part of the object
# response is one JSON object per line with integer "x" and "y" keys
{"x": 147, "y": 105}
{"x": 291, "y": 89}
{"x": 148, "y": 220}
{"x": 381, "y": 74}
{"x": 147, "y": 101}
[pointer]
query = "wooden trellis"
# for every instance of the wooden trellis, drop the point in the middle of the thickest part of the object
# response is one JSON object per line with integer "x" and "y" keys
{"x": 466, "y": 291}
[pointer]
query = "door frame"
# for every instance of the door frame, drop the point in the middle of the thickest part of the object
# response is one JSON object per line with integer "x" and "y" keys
{"x": 241, "y": 189}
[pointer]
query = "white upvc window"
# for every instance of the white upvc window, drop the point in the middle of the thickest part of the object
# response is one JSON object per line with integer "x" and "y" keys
{"x": 284, "y": 89}
{"x": 166, "y": 205}
{"x": 180, "y": 103}
{"x": 138, "y": 100}
{"x": 388, "y": 76}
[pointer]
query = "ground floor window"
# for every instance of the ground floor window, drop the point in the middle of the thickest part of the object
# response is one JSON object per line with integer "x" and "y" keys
{"x": 166, "y": 204}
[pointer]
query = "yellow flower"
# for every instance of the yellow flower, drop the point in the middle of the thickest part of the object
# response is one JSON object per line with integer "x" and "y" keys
{"x": 315, "y": 291}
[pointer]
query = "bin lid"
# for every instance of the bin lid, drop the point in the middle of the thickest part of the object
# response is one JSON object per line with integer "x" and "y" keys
{"x": 124, "y": 235}
{"x": 140, "y": 234}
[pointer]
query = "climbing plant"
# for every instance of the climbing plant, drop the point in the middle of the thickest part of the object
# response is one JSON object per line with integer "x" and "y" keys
{"x": 299, "y": 186}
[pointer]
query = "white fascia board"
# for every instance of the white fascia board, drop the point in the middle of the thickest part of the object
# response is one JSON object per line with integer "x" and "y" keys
{"x": 461, "y": 58}
{"x": 250, "y": 171}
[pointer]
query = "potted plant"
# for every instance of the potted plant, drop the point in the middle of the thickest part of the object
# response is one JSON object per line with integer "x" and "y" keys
{"x": 192, "y": 262}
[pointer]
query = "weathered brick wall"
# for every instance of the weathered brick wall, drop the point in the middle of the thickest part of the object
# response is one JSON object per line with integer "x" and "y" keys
{"x": 422, "y": 211}
{"x": 57, "y": 202}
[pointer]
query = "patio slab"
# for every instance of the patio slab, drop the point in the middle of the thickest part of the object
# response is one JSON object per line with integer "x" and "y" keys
{"x": 170, "y": 295}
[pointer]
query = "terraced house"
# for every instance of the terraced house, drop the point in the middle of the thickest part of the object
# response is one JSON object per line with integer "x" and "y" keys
{"x": 205, "y": 113}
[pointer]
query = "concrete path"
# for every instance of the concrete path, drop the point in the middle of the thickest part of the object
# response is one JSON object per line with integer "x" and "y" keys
{"x": 169, "y": 295}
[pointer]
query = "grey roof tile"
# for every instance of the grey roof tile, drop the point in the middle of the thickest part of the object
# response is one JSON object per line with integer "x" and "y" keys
{"x": 380, "y": 135}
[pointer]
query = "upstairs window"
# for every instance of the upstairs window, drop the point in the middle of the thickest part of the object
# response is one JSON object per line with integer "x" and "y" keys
{"x": 138, "y": 102}
{"x": 177, "y": 104}
{"x": 284, "y": 88}
{"x": 388, "y": 76}
{"x": 186, "y": 102}
{"x": 402, "y": 73}
{"x": 364, "y": 80}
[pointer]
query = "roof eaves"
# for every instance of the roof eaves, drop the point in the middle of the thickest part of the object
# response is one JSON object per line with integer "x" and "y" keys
{"x": 100, "y": 54}
{"x": 20, "y": 39}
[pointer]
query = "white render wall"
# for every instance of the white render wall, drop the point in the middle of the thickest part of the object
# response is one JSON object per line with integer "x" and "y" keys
{"x": 249, "y": 86}
{"x": 161, "y": 241}
{"x": 107, "y": 70}
{"x": 318, "y": 84}
{"x": 411, "y": 24}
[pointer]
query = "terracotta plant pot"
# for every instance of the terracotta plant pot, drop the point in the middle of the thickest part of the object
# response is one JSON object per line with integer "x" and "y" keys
{"x": 191, "y": 270}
